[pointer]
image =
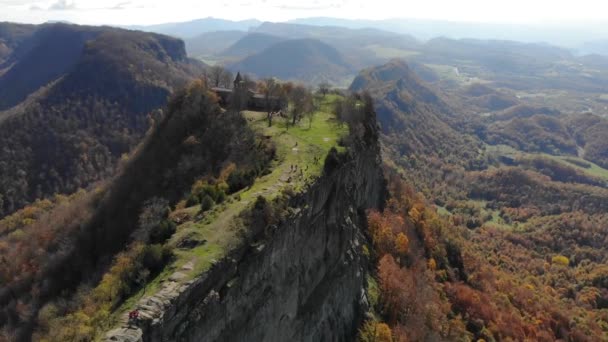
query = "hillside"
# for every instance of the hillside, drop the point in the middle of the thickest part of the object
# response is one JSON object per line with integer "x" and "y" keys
{"x": 96, "y": 226}
{"x": 207, "y": 193}
{"x": 416, "y": 122}
{"x": 11, "y": 36}
{"x": 470, "y": 224}
{"x": 211, "y": 43}
{"x": 41, "y": 58}
{"x": 307, "y": 60}
{"x": 99, "y": 90}
{"x": 589, "y": 131}
{"x": 538, "y": 133}
{"x": 251, "y": 44}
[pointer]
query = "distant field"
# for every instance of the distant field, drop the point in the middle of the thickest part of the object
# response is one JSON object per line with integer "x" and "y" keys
{"x": 453, "y": 74}
{"x": 593, "y": 169}
{"x": 389, "y": 53}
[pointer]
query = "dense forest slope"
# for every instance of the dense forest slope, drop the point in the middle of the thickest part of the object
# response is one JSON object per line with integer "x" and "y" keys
{"x": 74, "y": 244}
{"x": 49, "y": 53}
{"x": 11, "y": 36}
{"x": 496, "y": 224}
{"x": 418, "y": 126}
{"x": 99, "y": 87}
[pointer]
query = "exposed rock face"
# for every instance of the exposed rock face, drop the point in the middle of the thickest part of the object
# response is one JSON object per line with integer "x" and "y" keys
{"x": 303, "y": 281}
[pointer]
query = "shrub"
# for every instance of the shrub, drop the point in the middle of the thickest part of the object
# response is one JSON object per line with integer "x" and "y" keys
{"x": 240, "y": 179}
{"x": 193, "y": 200}
{"x": 207, "y": 202}
{"x": 162, "y": 232}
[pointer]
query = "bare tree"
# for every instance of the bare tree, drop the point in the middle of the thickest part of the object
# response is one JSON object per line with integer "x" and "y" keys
{"x": 226, "y": 79}
{"x": 324, "y": 88}
{"x": 218, "y": 76}
{"x": 272, "y": 94}
{"x": 302, "y": 103}
{"x": 214, "y": 74}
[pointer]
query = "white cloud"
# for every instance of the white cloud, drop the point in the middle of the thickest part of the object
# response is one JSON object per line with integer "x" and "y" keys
{"x": 63, "y": 5}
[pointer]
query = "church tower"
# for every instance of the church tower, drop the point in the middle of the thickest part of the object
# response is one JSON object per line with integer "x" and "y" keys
{"x": 238, "y": 81}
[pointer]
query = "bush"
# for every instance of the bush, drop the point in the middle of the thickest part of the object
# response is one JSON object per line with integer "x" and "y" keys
{"x": 239, "y": 180}
{"x": 162, "y": 232}
{"x": 193, "y": 200}
{"x": 207, "y": 202}
{"x": 155, "y": 257}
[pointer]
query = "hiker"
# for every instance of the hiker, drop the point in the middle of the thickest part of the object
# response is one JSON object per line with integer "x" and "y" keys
{"x": 133, "y": 316}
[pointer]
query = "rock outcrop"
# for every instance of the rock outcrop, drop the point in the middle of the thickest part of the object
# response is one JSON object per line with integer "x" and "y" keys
{"x": 303, "y": 280}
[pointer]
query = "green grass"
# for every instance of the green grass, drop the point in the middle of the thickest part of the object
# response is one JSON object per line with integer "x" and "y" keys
{"x": 442, "y": 211}
{"x": 297, "y": 146}
{"x": 220, "y": 227}
{"x": 389, "y": 52}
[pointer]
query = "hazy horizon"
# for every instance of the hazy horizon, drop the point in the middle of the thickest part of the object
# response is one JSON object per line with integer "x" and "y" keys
{"x": 139, "y": 12}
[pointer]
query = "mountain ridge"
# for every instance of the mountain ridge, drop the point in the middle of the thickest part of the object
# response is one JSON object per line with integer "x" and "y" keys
{"x": 103, "y": 94}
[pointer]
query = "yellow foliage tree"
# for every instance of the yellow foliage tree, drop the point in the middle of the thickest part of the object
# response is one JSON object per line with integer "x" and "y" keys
{"x": 383, "y": 333}
{"x": 402, "y": 244}
{"x": 560, "y": 260}
{"x": 432, "y": 264}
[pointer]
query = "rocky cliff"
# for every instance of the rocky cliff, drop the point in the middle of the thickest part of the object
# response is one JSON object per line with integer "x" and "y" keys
{"x": 303, "y": 280}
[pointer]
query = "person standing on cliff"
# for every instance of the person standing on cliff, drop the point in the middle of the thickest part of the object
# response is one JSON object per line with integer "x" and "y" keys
{"x": 133, "y": 316}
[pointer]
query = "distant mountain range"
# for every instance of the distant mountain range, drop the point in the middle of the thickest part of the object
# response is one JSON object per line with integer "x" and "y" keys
{"x": 571, "y": 35}
{"x": 193, "y": 28}
{"x": 307, "y": 60}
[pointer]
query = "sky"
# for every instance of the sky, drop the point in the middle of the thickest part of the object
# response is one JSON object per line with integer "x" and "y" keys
{"x": 145, "y": 12}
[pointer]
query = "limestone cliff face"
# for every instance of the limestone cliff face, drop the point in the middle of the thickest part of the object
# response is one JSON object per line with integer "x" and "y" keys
{"x": 304, "y": 280}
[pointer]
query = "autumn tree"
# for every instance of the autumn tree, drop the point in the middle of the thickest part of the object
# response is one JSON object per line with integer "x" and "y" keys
{"x": 397, "y": 289}
{"x": 373, "y": 331}
{"x": 383, "y": 333}
{"x": 402, "y": 244}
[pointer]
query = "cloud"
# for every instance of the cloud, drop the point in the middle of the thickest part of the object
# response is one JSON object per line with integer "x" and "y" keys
{"x": 311, "y": 7}
{"x": 63, "y": 5}
{"x": 122, "y": 5}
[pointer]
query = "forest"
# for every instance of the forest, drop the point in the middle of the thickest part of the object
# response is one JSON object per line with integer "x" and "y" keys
{"x": 497, "y": 235}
